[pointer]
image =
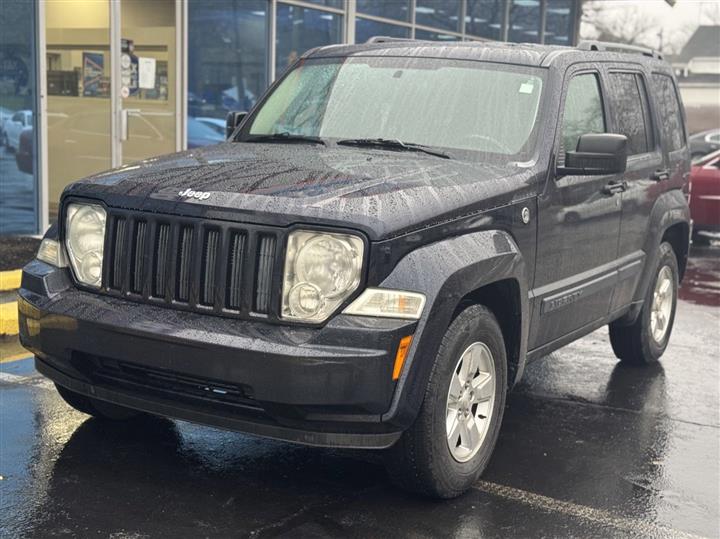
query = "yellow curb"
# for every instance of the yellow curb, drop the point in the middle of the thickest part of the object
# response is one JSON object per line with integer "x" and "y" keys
{"x": 9, "y": 318}
{"x": 10, "y": 280}
{"x": 15, "y": 357}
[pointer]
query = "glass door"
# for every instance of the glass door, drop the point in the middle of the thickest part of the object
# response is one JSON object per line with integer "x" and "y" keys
{"x": 79, "y": 104}
{"x": 147, "y": 104}
{"x": 112, "y": 68}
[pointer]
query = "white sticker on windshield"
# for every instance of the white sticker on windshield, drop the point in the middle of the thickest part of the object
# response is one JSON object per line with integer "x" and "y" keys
{"x": 526, "y": 88}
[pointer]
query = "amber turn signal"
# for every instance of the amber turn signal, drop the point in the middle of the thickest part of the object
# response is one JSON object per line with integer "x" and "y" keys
{"x": 401, "y": 355}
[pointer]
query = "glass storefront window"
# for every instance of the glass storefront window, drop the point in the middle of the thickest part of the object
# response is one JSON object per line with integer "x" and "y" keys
{"x": 227, "y": 57}
{"x": 559, "y": 19}
{"x": 337, "y": 4}
{"x": 18, "y": 177}
{"x": 484, "y": 18}
{"x": 443, "y": 14}
{"x": 524, "y": 21}
{"x": 300, "y": 29}
{"x": 435, "y": 36}
{"x": 365, "y": 29}
{"x": 390, "y": 9}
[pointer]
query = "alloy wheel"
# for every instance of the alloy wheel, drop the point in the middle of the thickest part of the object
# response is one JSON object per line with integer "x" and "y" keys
{"x": 662, "y": 304}
{"x": 470, "y": 402}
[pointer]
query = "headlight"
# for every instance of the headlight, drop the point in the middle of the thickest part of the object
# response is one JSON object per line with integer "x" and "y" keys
{"x": 388, "y": 304}
{"x": 84, "y": 240}
{"x": 321, "y": 271}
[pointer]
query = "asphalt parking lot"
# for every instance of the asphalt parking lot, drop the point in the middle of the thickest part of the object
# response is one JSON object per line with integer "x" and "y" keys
{"x": 588, "y": 448}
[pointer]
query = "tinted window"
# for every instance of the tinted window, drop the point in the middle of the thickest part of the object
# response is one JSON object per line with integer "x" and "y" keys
{"x": 484, "y": 18}
{"x": 226, "y": 55}
{"x": 366, "y": 28}
{"x": 300, "y": 29}
{"x": 631, "y": 113}
{"x": 444, "y": 14}
{"x": 524, "y": 26}
{"x": 390, "y": 9}
{"x": 669, "y": 111}
{"x": 583, "y": 110}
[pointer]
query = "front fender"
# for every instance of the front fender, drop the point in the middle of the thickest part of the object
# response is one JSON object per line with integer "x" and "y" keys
{"x": 446, "y": 272}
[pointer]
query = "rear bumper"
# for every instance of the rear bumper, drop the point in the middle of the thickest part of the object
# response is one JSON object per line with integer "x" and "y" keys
{"x": 324, "y": 386}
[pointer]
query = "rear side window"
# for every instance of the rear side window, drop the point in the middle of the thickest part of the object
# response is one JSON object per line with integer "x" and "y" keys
{"x": 669, "y": 111}
{"x": 583, "y": 110}
{"x": 632, "y": 115}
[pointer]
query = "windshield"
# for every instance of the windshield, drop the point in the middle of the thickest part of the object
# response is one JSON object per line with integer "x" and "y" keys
{"x": 452, "y": 104}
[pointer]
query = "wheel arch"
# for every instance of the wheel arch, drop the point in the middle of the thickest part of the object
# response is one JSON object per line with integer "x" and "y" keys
{"x": 503, "y": 299}
{"x": 486, "y": 267}
{"x": 669, "y": 221}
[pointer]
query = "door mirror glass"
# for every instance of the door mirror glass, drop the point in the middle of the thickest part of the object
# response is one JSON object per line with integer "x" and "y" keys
{"x": 232, "y": 120}
{"x": 596, "y": 154}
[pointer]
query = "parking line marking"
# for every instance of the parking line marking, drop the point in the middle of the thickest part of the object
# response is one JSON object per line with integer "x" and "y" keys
{"x": 598, "y": 516}
{"x": 16, "y": 357}
{"x": 9, "y": 324}
{"x": 10, "y": 280}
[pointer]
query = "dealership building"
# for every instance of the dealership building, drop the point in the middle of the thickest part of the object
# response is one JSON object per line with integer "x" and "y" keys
{"x": 86, "y": 85}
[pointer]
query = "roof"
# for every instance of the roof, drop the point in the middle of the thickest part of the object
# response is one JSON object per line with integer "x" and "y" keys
{"x": 704, "y": 42}
{"x": 488, "y": 51}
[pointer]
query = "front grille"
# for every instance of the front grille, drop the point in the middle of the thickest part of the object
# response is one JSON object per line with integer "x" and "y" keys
{"x": 191, "y": 264}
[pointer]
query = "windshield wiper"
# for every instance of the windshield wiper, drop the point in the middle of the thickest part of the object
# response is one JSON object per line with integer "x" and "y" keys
{"x": 285, "y": 136}
{"x": 394, "y": 144}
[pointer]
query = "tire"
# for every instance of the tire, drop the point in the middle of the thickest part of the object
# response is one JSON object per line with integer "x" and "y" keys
{"x": 637, "y": 344}
{"x": 422, "y": 461}
{"x": 96, "y": 408}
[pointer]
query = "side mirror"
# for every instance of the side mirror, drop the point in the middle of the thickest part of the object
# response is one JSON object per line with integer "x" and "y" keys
{"x": 596, "y": 155}
{"x": 232, "y": 120}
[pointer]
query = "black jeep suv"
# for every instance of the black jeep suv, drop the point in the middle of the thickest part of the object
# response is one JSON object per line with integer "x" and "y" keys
{"x": 378, "y": 249}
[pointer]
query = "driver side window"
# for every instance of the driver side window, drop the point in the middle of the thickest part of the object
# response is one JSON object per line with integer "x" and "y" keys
{"x": 583, "y": 110}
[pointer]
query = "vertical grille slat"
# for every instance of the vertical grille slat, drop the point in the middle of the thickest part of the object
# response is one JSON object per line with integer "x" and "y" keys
{"x": 138, "y": 266}
{"x": 263, "y": 276}
{"x": 118, "y": 254}
{"x": 207, "y": 296}
{"x": 161, "y": 260}
{"x": 184, "y": 264}
{"x": 235, "y": 264}
{"x": 194, "y": 264}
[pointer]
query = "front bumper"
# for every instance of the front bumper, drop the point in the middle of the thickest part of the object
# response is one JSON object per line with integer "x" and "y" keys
{"x": 324, "y": 386}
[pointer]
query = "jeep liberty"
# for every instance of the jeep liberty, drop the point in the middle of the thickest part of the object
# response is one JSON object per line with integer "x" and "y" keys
{"x": 377, "y": 251}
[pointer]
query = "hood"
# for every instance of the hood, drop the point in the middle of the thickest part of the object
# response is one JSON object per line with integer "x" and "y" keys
{"x": 382, "y": 193}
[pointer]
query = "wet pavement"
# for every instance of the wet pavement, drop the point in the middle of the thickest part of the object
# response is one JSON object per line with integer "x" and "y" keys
{"x": 588, "y": 448}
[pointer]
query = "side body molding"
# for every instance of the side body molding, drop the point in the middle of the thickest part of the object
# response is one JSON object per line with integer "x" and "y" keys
{"x": 445, "y": 272}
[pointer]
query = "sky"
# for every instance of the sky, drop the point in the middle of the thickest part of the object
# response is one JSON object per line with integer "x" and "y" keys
{"x": 676, "y": 22}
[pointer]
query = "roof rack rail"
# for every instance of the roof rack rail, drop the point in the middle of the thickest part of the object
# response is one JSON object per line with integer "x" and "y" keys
{"x": 386, "y": 39}
{"x": 618, "y": 47}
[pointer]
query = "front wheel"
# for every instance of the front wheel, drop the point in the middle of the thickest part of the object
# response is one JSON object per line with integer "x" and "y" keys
{"x": 450, "y": 443}
{"x": 645, "y": 340}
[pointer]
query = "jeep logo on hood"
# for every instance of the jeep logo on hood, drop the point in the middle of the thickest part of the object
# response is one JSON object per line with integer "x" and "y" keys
{"x": 189, "y": 193}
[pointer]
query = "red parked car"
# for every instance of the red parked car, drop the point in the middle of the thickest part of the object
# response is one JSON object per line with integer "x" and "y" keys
{"x": 705, "y": 195}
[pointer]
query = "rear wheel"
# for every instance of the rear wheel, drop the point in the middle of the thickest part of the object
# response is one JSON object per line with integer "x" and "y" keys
{"x": 645, "y": 340}
{"x": 95, "y": 407}
{"x": 447, "y": 448}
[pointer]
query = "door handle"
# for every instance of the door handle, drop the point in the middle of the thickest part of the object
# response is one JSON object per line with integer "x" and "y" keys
{"x": 614, "y": 187}
{"x": 661, "y": 175}
{"x": 124, "y": 115}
